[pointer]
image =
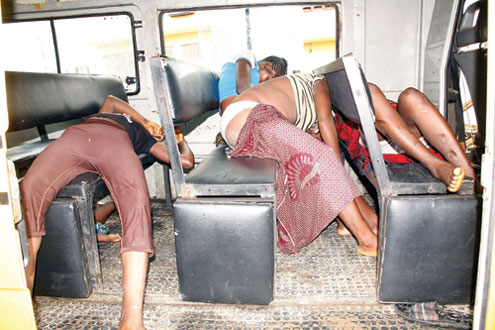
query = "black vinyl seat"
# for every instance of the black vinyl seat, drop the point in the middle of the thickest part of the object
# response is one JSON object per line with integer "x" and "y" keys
{"x": 225, "y": 211}
{"x": 68, "y": 260}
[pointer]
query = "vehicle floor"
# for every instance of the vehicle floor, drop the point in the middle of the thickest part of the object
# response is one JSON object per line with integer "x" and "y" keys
{"x": 328, "y": 285}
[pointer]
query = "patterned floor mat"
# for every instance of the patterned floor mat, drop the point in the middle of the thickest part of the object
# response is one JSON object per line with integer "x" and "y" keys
{"x": 328, "y": 285}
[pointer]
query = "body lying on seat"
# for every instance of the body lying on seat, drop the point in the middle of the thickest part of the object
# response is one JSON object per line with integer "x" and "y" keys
{"x": 36, "y": 101}
{"x": 353, "y": 100}
{"x": 225, "y": 211}
{"x": 422, "y": 228}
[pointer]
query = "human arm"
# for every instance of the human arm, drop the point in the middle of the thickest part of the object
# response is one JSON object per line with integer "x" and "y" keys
{"x": 160, "y": 151}
{"x": 325, "y": 117}
{"x": 116, "y": 105}
{"x": 243, "y": 75}
{"x": 186, "y": 155}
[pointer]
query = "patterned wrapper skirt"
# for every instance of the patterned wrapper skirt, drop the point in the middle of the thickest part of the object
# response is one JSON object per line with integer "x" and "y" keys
{"x": 312, "y": 184}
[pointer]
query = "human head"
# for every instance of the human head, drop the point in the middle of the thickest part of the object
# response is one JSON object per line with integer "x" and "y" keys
{"x": 271, "y": 67}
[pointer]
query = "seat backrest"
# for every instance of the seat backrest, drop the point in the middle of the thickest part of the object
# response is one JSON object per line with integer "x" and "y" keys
{"x": 350, "y": 96}
{"x": 183, "y": 92}
{"x": 191, "y": 89}
{"x": 474, "y": 24}
{"x": 472, "y": 35}
{"x": 37, "y": 99}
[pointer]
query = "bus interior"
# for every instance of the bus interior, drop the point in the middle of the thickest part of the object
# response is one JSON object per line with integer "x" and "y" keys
{"x": 435, "y": 247}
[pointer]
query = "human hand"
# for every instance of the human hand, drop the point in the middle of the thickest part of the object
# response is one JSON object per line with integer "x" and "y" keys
{"x": 154, "y": 130}
{"x": 314, "y": 131}
{"x": 114, "y": 238}
{"x": 178, "y": 134}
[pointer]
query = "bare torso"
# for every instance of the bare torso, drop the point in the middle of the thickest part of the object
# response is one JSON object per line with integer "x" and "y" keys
{"x": 276, "y": 92}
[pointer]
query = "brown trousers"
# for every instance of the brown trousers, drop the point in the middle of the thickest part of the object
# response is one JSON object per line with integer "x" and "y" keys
{"x": 98, "y": 147}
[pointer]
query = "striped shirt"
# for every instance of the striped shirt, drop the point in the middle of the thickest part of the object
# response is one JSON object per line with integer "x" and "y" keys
{"x": 304, "y": 96}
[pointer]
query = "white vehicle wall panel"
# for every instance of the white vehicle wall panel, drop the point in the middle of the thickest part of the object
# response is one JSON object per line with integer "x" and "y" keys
{"x": 385, "y": 35}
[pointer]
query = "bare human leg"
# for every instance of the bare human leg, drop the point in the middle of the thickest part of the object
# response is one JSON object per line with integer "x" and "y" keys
{"x": 420, "y": 115}
{"x": 366, "y": 212}
{"x": 367, "y": 240}
{"x": 34, "y": 246}
{"x": 342, "y": 229}
{"x": 135, "y": 268}
{"x": 390, "y": 123}
{"x": 103, "y": 211}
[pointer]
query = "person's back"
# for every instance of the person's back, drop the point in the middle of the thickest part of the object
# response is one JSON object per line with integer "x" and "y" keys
{"x": 279, "y": 92}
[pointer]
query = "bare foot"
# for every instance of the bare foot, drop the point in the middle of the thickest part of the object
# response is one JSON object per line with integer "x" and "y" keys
{"x": 368, "y": 214}
{"x": 368, "y": 252}
{"x": 109, "y": 238}
{"x": 342, "y": 229}
{"x": 449, "y": 174}
{"x": 456, "y": 180}
{"x": 125, "y": 327}
{"x": 131, "y": 327}
{"x": 368, "y": 245}
{"x": 452, "y": 177}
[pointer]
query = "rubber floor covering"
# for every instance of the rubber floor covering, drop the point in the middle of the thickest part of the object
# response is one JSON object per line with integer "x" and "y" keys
{"x": 328, "y": 285}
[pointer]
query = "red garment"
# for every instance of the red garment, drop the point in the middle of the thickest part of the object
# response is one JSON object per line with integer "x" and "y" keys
{"x": 350, "y": 136}
{"x": 312, "y": 184}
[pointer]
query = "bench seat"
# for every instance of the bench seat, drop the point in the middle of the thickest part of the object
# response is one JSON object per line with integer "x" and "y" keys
{"x": 36, "y": 100}
{"x": 428, "y": 238}
{"x": 225, "y": 212}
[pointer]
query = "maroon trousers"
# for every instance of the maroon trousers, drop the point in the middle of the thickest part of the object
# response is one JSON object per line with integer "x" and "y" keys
{"x": 99, "y": 147}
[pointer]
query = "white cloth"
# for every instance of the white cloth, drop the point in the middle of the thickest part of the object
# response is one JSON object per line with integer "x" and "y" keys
{"x": 233, "y": 110}
{"x": 389, "y": 147}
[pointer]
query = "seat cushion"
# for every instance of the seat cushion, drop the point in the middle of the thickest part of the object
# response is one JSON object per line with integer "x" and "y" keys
{"x": 63, "y": 269}
{"x": 27, "y": 151}
{"x": 225, "y": 250}
{"x": 429, "y": 249}
{"x": 238, "y": 176}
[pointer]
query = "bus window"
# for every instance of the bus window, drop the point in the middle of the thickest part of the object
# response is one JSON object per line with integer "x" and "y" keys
{"x": 211, "y": 37}
{"x": 91, "y": 45}
{"x": 31, "y": 47}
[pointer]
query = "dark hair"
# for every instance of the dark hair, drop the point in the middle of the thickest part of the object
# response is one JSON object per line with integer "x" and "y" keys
{"x": 279, "y": 64}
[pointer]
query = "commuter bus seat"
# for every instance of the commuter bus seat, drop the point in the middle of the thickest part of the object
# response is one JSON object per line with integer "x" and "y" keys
{"x": 224, "y": 214}
{"x": 428, "y": 238}
{"x": 68, "y": 263}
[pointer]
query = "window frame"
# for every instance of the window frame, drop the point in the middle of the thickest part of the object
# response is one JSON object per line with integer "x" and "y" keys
{"x": 135, "y": 24}
{"x": 335, "y": 5}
